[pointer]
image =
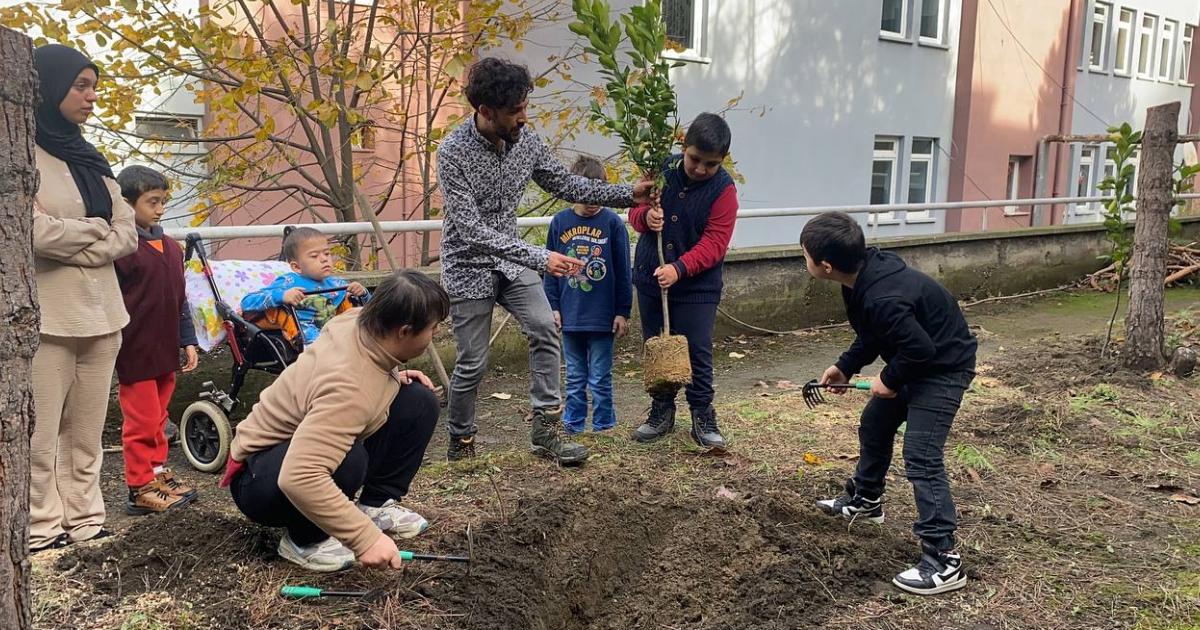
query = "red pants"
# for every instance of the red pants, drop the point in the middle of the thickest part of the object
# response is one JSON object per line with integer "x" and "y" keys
{"x": 144, "y": 405}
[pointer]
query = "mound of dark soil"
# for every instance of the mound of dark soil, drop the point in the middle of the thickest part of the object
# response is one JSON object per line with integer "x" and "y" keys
{"x": 1060, "y": 363}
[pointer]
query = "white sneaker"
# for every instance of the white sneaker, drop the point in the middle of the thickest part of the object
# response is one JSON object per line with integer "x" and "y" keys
{"x": 326, "y": 556}
{"x": 394, "y": 518}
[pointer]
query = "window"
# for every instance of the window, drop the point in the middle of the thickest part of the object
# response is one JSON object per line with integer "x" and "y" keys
{"x": 1146, "y": 46}
{"x": 1099, "y": 36}
{"x": 920, "y": 177}
{"x": 883, "y": 176}
{"x": 363, "y": 139}
{"x": 685, "y": 24}
{"x": 1083, "y": 183}
{"x": 1012, "y": 190}
{"x": 1124, "y": 41}
{"x": 1185, "y": 53}
{"x": 1166, "y": 46}
{"x": 167, "y": 127}
{"x": 895, "y": 18}
{"x": 933, "y": 14}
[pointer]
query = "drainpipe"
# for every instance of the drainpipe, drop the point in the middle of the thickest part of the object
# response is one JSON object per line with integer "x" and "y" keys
{"x": 1064, "y": 113}
{"x": 1042, "y": 163}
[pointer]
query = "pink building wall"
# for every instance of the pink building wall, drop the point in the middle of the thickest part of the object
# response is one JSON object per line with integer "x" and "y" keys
{"x": 1005, "y": 103}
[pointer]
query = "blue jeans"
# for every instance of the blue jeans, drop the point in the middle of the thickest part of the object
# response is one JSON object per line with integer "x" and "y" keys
{"x": 589, "y": 367}
{"x": 928, "y": 406}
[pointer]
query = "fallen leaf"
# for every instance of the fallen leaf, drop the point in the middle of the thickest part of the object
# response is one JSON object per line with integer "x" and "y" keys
{"x": 726, "y": 493}
{"x": 630, "y": 374}
{"x": 1189, "y": 499}
{"x": 983, "y": 368}
{"x": 812, "y": 460}
{"x": 1046, "y": 469}
{"x": 785, "y": 385}
{"x": 736, "y": 355}
{"x": 974, "y": 475}
{"x": 1157, "y": 376}
{"x": 502, "y": 396}
{"x": 761, "y": 384}
{"x": 987, "y": 381}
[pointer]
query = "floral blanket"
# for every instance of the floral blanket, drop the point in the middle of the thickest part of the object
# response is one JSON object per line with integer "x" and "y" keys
{"x": 235, "y": 279}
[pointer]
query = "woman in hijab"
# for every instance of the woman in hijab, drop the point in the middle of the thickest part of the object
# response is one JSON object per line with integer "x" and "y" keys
{"x": 80, "y": 225}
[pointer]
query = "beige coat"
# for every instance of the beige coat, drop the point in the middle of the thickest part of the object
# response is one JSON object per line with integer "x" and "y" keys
{"x": 76, "y": 283}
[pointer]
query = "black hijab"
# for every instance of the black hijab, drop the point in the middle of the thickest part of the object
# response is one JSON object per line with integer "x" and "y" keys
{"x": 58, "y": 66}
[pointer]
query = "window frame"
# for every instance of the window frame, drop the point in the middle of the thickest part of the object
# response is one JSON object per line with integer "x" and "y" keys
{"x": 1152, "y": 38}
{"x": 1167, "y": 40}
{"x": 893, "y": 156}
{"x": 1012, "y": 185}
{"x": 1187, "y": 39}
{"x": 1102, "y": 64}
{"x": 1130, "y": 44}
{"x": 943, "y": 8}
{"x": 921, "y": 216}
{"x": 159, "y": 117}
{"x": 1087, "y": 155}
{"x": 902, "y": 34}
{"x": 694, "y": 54}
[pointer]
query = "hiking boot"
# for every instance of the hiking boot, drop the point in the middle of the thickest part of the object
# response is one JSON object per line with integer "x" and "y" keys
{"x": 937, "y": 572}
{"x": 461, "y": 448}
{"x": 152, "y": 498}
{"x": 705, "y": 431}
{"x": 546, "y": 439}
{"x": 659, "y": 424}
{"x": 168, "y": 480}
{"x": 853, "y": 506}
{"x": 325, "y": 557}
{"x": 393, "y": 518}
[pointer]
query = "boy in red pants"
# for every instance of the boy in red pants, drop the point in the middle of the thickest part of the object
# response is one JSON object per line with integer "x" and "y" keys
{"x": 160, "y": 324}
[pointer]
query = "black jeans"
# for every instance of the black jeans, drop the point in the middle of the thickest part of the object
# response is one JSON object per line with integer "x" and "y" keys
{"x": 694, "y": 321}
{"x": 928, "y": 406}
{"x": 383, "y": 466}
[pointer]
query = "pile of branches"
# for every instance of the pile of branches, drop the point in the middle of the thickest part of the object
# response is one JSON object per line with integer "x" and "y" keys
{"x": 1183, "y": 265}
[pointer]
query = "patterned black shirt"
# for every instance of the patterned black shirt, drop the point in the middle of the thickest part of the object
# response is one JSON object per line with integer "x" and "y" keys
{"x": 482, "y": 187}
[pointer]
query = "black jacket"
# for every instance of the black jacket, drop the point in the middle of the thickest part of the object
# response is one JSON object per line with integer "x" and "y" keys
{"x": 907, "y": 318}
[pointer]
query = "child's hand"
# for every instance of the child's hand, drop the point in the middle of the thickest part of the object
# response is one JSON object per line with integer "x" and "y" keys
{"x": 356, "y": 289}
{"x": 558, "y": 320}
{"x": 879, "y": 390}
{"x": 382, "y": 554}
{"x": 834, "y": 376}
{"x": 654, "y": 218}
{"x": 667, "y": 275}
{"x": 193, "y": 358}
{"x": 293, "y": 296}
{"x": 620, "y": 326}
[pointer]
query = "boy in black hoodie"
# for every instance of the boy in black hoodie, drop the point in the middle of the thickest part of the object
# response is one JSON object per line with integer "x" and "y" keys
{"x": 913, "y": 322}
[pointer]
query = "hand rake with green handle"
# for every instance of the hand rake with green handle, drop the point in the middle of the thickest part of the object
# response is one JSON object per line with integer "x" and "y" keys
{"x": 812, "y": 390}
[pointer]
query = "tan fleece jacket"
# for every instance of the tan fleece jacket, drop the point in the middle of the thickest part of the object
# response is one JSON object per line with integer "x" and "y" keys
{"x": 338, "y": 391}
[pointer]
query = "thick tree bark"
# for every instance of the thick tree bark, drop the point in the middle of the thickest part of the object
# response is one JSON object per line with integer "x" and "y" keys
{"x": 18, "y": 322}
{"x": 1144, "y": 323}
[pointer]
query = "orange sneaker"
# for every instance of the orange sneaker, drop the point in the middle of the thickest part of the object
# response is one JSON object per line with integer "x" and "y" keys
{"x": 168, "y": 480}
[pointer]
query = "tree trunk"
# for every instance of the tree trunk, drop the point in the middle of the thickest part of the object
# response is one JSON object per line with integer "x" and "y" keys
{"x": 1144, "y": 323}
{"x": 18, "y": 322}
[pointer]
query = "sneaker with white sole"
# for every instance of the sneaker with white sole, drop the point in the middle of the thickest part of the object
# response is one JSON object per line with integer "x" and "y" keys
{"x": 937, "y": 572}
{"x": 394, "y": 518}
{"x": 853, "y": 506}
{"x": 326, "y": 556}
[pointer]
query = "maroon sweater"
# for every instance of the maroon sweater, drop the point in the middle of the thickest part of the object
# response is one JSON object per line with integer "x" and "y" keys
{"x": 159, "y": 320}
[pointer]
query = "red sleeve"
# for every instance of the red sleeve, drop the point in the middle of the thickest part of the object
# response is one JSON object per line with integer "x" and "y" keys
{"x": 637, "y": 218}
{"x": 710, "y": 251}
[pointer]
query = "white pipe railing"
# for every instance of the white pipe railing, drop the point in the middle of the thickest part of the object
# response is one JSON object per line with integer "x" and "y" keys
{"x": 222, "y": 232}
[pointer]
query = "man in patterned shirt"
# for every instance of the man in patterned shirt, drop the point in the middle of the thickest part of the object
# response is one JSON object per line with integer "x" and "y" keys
{"x": 483, "y": 169}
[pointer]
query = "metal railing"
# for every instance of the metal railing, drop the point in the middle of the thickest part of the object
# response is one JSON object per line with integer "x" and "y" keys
{"x": 225, "y": 232}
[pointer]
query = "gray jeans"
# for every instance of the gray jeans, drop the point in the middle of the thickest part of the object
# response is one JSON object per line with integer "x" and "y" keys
{"x": 472, "y": 320}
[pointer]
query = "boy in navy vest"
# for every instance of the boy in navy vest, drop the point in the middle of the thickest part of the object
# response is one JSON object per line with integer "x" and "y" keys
{"x": 592, "y": 307}
{"x": 916, "y": 325}
{"x": 160, "y": 324}
{"x": 696, "y": 212}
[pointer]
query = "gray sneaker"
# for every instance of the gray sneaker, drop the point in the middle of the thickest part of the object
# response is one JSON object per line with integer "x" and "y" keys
{"x": 394, "y": 518}
{"x": 326, "y": 556}
{"x": 546, "y": 439}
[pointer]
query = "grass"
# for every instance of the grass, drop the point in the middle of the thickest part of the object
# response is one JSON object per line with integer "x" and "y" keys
{"x": 969, "y": 456}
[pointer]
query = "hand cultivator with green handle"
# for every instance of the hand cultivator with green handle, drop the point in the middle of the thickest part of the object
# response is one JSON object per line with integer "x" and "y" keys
{"x": 812, "y": 390}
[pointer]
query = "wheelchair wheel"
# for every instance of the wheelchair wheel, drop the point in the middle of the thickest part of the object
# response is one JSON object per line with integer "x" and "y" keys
{"x": 204, "y": 434}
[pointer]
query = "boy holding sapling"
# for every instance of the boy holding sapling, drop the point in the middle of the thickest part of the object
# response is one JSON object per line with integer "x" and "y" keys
{"x": 697, "y": 209}
{"x": 916, "y": 325}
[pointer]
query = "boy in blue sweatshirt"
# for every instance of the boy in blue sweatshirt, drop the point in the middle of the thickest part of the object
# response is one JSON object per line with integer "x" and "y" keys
{"x": 917, "y": 327}
{"x": 307, "y": 250}
{"x": 590, "y": 308}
